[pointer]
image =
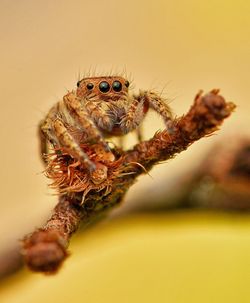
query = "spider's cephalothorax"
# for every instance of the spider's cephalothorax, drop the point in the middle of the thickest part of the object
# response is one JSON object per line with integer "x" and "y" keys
{"x": 100, "y": 107}
{"x": 107, "y": 102}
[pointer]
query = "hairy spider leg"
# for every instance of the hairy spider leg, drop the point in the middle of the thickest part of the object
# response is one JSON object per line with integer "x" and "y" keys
{"x": 139, "y": 107}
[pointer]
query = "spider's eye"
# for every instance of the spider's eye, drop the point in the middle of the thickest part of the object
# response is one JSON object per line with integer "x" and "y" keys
{"x": 78, "y": 83}
{"x": 90, "y": 86}
{"x": 117, "y": 86}
{"x": 104, "y": 86}
{"x": 126, "y": 83}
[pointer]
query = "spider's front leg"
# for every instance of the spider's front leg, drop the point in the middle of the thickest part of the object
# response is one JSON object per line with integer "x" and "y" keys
{"x": 76, "y": 108}
{"x": 53, "y": 131}
{"x": 139, "y": 107}
{"x": 158, "y": 104}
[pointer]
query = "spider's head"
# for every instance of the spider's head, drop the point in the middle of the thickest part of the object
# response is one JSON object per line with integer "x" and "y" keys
{"x": 110, "y": 88}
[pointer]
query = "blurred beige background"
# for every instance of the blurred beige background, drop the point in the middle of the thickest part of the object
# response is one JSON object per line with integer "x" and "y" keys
{"x": 181, "y": 46}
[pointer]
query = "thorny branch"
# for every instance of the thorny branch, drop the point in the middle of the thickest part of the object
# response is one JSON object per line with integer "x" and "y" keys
{"x": 81, "y": 200}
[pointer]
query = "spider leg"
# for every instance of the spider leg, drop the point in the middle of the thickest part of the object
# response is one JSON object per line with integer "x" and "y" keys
{"x": 158, "y": 104}
{"x": 138, "y": 109}
{"x": 68, "y": 142}
{"x": 134, "y": 115}
{"x": 46, "y": 136}
{"x": 52, "y": 131}
{"x": 44, "y": 145}
{"x": 139, "y": 134}
{"x": 78, "y": 111}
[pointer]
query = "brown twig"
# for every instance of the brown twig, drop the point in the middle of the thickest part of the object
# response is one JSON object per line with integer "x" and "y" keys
{"x": 46, "y": 248}
{"x": 203, "y": 118}
{"x": 222, "y": 181}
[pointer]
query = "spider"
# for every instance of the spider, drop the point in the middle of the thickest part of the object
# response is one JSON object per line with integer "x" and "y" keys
{"x": 99, "y": 108}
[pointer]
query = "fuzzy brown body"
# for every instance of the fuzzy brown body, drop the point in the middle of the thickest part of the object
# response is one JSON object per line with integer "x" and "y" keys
{"x": 99, "y": 108}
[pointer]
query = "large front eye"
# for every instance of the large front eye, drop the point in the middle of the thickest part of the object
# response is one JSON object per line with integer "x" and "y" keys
{"x": 104, "y": 86}
{"x": 117, "y": 86}
{"x": 78, "y": 83}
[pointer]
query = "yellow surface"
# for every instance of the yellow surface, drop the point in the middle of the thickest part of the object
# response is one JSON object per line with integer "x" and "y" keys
{"x": 178, "y": 257}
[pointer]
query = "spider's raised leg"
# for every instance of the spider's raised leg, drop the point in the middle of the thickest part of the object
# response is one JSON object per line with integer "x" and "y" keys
{"x": 157, "y": 103}
{"x": 53, "y": 131}
{"x": 139, "y": 107}
{"x": 77, "y": 110}
{"x": 139, "y": 134}
{"x": 46, "y": 135}
{"x": 66, "y": 140}
{"x": 44, "y": 144}
{"x": 134, "y": 115}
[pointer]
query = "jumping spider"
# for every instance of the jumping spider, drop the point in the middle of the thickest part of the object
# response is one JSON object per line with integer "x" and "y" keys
{"x": 99, "y": 108}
